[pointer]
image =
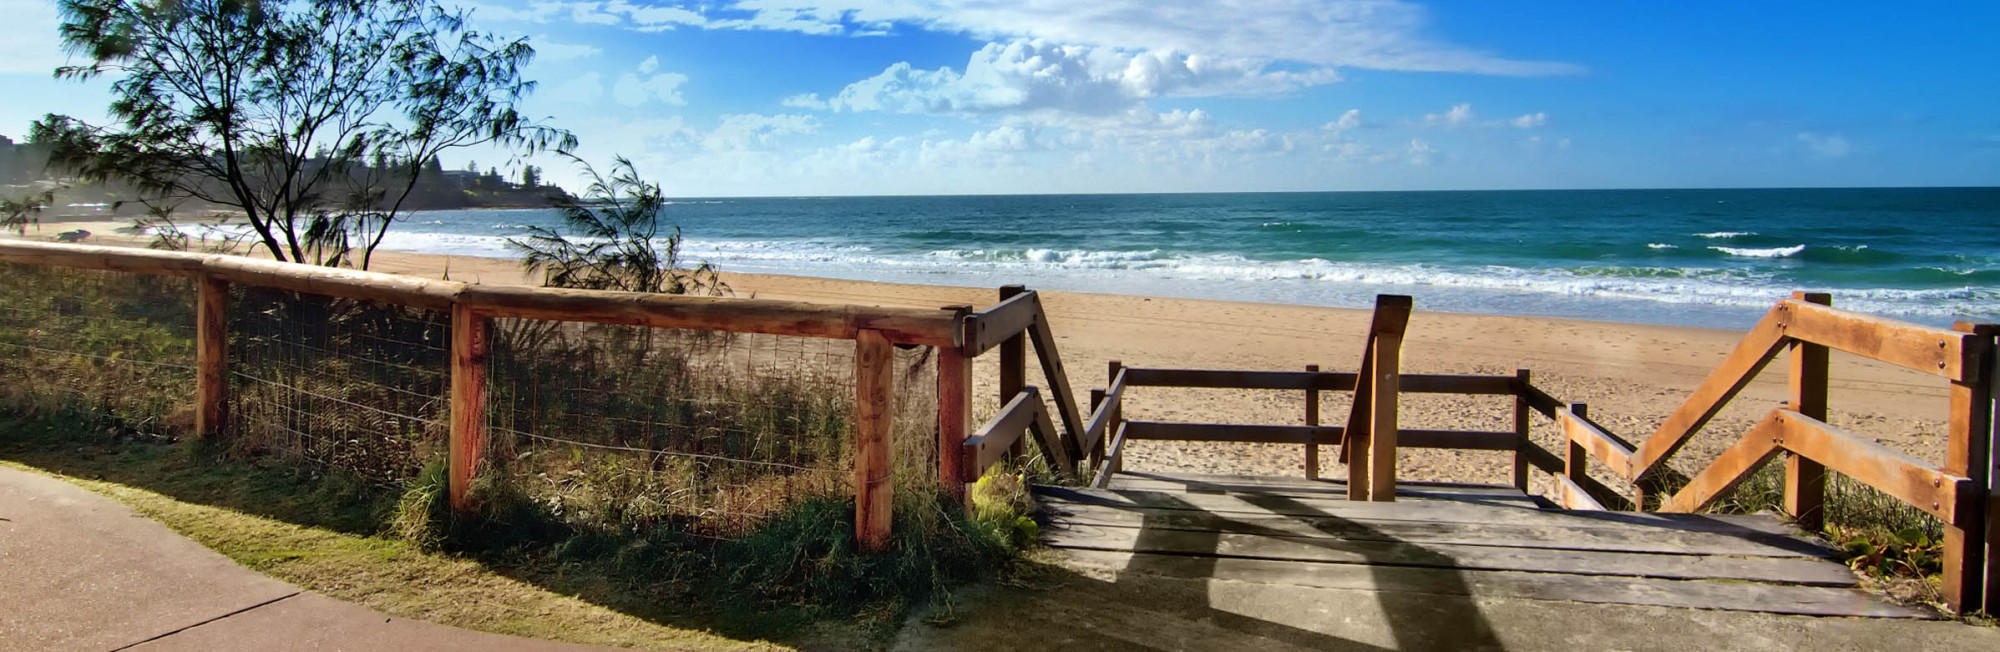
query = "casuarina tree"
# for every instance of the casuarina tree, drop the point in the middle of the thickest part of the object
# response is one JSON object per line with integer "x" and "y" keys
{"x": 312, "y": 120}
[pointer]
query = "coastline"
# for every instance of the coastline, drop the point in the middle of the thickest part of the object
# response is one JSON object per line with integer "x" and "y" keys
{"x": 1632, "y": 375}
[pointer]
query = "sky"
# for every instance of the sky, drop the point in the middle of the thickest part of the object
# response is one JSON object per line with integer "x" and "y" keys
{"x": 873, "y": 97}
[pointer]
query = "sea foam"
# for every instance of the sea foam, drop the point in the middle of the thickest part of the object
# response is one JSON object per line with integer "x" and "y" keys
{"x": 1773, "y": 252}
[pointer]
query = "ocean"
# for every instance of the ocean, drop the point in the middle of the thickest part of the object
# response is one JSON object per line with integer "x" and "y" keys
{"x": 1678, "y": 257}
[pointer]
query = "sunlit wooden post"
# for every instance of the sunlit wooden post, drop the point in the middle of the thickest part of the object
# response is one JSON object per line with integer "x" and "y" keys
{"x": 1805, "y": 480}
{"x": 1392, "y": 317}
{"x": 1969, "y": 583}
{"x": 470, "y": 332}
{"x": 1576, "y": 459}
{"x": 1521, "y": 442}
{"x": 954, "y": 411}
{"x": 211, "y": 356}
{"x": 874, "y": 377}
{"x": 1013, "y": 365}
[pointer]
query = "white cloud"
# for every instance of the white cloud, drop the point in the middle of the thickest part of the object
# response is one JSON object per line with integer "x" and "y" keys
{"x": 1824, "y": 145}
{"x": 1458, "y": 115}
{"x": 1346, "y": 122}
{"x": 1038, "y": 75}
{"x": 32, "y": 46}
{"x": 1530, "y": 121}
{"x": 648, "y": 84}
{"x": 1420, "y": 152}
{"x": 585, "y": 89}
{"x": 804, "y": 101}
{"x": 747, "y": 131}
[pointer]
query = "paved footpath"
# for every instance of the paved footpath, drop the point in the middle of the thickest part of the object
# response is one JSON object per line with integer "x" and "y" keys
{"x": 79, "y": 571}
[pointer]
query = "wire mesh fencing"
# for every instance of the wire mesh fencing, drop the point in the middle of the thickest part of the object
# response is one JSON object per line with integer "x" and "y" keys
{"x": 355, "y": 385}
{"x": 709, "y": 431}
{"x": 110, "y": 344}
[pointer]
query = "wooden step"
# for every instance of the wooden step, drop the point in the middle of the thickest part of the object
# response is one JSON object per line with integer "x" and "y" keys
{"x": 1694, "y": 594}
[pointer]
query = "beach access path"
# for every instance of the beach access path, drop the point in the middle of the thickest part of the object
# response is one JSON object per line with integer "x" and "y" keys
{"x": 80, "y": 571}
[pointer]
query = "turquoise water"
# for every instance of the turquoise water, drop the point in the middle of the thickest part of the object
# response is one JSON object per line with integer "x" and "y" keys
{"x": 1690, "y": 257}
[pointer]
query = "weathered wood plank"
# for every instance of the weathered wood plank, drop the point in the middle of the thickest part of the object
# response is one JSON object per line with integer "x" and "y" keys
{"x": 1944, "y": 352}
{"x": 1609, "y": 450}
{"x": 470, "y": 338}
{"x": 1914, "y": 481}
{"x": 1013, "y": 360}
{"x": 1755, "y": 350}
{"x": 1451, "y": 511}
{"x": 954, "y": 417}
{"x": 1101, "y": 415}
{"x": 1571, "y": 495}
{"x": 1690, "y": 594}
{"x": 1009, "y": 318}
{"x": 1275, "y": 434}
{"x": 117, "y": 259}
{"x": 1522, "y": 444}
{"x": 792, "y": 318}
{"x": 1053, "y": 371}
{"x": 998, "y": 437}
{"x": 1286, "y": 482}
{"x": 1107, "y": 471}
{"x": 1730, "y": 468}
{"x": 1311, "y": 450}
{"x": 1617, "y": 538}
{"x": 211, "y": 355}
{"x": 1328, "y": 491}
{"x": 1805, "y": 480}
{"x": 1445, "y": 555}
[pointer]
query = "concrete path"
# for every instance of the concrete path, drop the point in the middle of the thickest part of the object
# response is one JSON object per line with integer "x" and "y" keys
{"x": 79, "y": 571}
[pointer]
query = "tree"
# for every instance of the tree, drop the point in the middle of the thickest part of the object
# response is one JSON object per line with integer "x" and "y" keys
{"x": 21, "y": 212}
{"x": 531, "y": 177}
{"x": 617, "y": 243}
{"x": 226, "y": 101}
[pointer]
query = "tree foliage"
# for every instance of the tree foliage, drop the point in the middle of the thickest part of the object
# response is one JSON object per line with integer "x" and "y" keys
{"x": 285, "y": 111}
{"x": 614, "y": 240}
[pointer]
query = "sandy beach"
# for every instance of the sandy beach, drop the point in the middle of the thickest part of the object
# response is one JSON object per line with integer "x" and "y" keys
{"x": 1631, "y": 375}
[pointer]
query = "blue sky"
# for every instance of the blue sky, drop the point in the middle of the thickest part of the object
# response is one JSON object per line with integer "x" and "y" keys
{"x": 816, "y": 97}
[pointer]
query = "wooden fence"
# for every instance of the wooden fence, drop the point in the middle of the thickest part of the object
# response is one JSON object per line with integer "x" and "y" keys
{"x": 874, "y": 331}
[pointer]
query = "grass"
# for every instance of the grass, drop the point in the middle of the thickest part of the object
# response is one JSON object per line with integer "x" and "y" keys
{"x": 511, "y": 570}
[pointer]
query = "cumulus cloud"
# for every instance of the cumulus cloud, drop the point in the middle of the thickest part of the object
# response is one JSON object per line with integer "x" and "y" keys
{"x": 1420, "y": 152}
{"x": 1346, "y": 122}
{"x": 1459, "y": 115}
{"x": 747, "y": 131}
{"x": 1038, "y": 75}
{"x": 1824, "y": 145}
{"x": 649, "y": 84}
{"x": 1530, "y": 121}
{"x": 804, "y": 101}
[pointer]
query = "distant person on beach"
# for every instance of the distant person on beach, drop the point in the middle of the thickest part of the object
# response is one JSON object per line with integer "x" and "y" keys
{"x": 72, "y": 236}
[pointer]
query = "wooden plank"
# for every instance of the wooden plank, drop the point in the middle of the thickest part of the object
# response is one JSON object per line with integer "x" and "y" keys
{"x": 1522, "y": 443}
{"x": 1805, "y": 480}
{"x": 1546, "y": 536}
{"x": 1012, "y": 316}
{"x": 874, "y": 379}
{"x": 1253, "y": 433}
{"x": 1059, "y": 456}
{"x": 1573, "y": 496}
{"x": 954, "y": 417}
{"x": 1392, "y": 315}
{"x": 1000, "y": 436}
{"x": 1730, "y": 468}
{"x": 1685, "y": 594}
{"x": 1013, "y": 362}
{"x": 1968, "y": 453}
{"x": 1815, "y": 572}
{"x": 1312, "y": 421}
{"x": 1052, "y": 370}
{"x": 1115, "y": 412}
{"x": 1542, "y": 459}
{"x": 344, "y": 283}
{"x": 1286, "y": 482}
{"x": 1354, "y": 435}
{"x": 211, "y": 355}
{"x": 1107, "y": 471}
{"x": 1609, "y": 450}
{"x": 1239, "y": 379}
{"x": 1328, "y": 491}
{"x": 1951, "y": 354}
{"x": 1749, "y": 357}
{"x": 1541, "y": 401}
{"x": 1475, "y": 385}
{"x": 117, "y": 259}
{"x": 1452, "y": 511}
{"x": 1944, "y": 495}
{"x": 470, "y": 336}
{"x": 1458, "y": 439}
{"x": 792, "y": 318}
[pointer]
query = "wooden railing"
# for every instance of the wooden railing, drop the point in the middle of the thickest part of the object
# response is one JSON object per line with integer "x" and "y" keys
{"x": 1959, "y": 492}
{"x": 1010, "y": 326}
{"x": 874, "y": 331}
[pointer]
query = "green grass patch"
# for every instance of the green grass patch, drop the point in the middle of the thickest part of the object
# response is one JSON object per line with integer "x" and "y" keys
{"x": 514, "y": 567}
{"x": 1897, "y": 545}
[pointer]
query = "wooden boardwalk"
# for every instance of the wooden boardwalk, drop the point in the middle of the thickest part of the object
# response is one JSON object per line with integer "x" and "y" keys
{"x": 1448, "y": 539}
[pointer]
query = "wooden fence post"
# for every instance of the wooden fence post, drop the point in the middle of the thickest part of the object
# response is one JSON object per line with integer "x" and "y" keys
{"x": 1387, "y": 352}
{"x": 1805, "y": 480}
{"x": 469, "y": 341}
{"x": 1968, "y": 582}
{"x": 1576, "y": 459}
{"x": 1098, "y": 451}
{"x": 874, "y": 377}
{"x": 1312, "y": 419}
{"x": 954, "y": 411}
{"x": 1013, "y": 365}
{"x": 1521, "y": 443}
{"x": 211, "y": 358}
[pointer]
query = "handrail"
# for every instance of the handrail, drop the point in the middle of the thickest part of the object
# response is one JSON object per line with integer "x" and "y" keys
{"x": 1368, "y": 445}
{"x": 744, "y": 315}
{"x": 1102, "y": 416}
{"x": 1337, "y": 381}
{"x": 1017, "y": 316}
{"x": 993, "y": 440}
{"x": 1949, "y": 497}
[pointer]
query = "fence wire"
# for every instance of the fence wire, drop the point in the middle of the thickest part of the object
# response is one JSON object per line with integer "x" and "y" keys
{"x": 353, "y": 385}
{"x": 711, "y": 432}
{"x": 110, "y": 344}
